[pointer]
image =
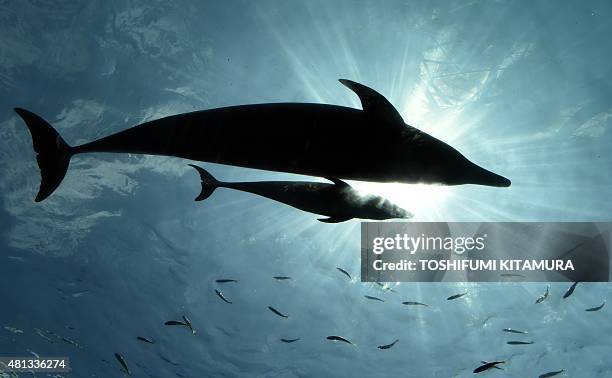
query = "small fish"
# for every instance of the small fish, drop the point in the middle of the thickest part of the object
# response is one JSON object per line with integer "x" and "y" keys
{"x": 414, "y": 304}
{"x": 188, "y": 322}
{"x": 374, "y": 298}
{"x": 512, "y": 275}
{"x": 456, "y": 296}
{"x": 345, "y": 273}
{"x": 488, "y": 365}
{"x": 281, "y": 278}
{"x": 123, "y": 363}
{"x": 512, "y": 330}
{"x": 79, "y": 293}
{"x": 225, "y": 280}
{"x": 289, "y": 340}
{"x": 596, "y": 308}
{"x": 494, "y": 367}
{"x": 33, "y": 353}
{"x": 277, "y": 312}
{"x": 145, "y": 339}
{"x": 551, "y": 374}
{"x": 167, "y": 360}
{"x": 70, "y": 341}
{"x": 175, "y": 322}
{"x": 388, "y": 346}
{"x": 570, "y": 291}
{"x": 339, "y": 338}
{"x": 220, "y": 295}
{"x": 520, "y": 342}
{"x": 385, "y": 287}
{"x": 544, "y": 296}
{"x": 13, "y": 329}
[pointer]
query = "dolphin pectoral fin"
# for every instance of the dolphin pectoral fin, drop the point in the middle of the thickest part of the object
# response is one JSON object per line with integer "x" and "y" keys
{"x": 375, "y": 104}
{"x": 338, "y": 182}
{"x": 334, "y": 219}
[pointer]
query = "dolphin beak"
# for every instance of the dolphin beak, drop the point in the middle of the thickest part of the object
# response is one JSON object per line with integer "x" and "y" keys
{"x": 481, "y": 176}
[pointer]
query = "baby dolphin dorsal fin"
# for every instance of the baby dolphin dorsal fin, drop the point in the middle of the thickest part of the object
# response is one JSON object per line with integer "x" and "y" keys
{"x": 338, "y": 182}
{"x": 375, "y": 104}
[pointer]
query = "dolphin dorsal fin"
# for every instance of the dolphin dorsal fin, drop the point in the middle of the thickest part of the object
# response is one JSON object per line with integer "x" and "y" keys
{"x": 338, "y": 182}
{"x": 375, "y": 104}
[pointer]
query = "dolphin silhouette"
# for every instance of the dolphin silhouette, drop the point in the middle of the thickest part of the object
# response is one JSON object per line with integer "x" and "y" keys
{"x": 338, "y": 201}
{"x": 373, "y": 144}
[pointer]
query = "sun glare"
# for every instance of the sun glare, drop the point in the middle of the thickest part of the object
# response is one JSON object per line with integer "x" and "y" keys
{"x": 423, "y": 201}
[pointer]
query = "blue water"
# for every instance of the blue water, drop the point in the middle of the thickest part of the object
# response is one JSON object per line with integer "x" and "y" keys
{"x": 521, "y": 88}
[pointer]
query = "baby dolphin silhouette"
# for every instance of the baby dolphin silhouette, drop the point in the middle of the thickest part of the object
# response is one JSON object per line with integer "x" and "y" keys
{"x": 372, "y": 144}
{"x": 339, "y": 201}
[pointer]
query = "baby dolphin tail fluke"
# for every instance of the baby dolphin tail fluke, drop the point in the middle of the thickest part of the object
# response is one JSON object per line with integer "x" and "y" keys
{"x": 368, "y": 144}
{"x": 338, "y": 201}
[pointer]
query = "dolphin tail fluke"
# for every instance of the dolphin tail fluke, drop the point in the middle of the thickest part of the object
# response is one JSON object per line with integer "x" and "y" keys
{"x": 53, "y": 152}
{"x": 209, "y": 183}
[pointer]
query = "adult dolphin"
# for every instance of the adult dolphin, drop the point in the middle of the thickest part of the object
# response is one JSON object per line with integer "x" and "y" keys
{"x": 373, "y": 144}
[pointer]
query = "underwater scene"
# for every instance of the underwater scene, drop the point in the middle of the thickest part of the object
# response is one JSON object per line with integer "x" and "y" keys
{"x": 183, "y": 184}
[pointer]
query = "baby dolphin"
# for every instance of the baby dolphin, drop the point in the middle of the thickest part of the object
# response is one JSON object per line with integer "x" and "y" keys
{"x": 551, "y": 374}
{"x": 145, "y": 339}
{"x": 456, "y": 296}
{"x": 592, "y": 309}
{"x": 277, "y": 312}
{"x": 373, "y": 298}
{"x": 338, "y": 201}
{"x": 369, "y": 144}
{"x": 388, "y": 346}
{"x": 339, "y": 338}
{"x": 220, "y": 295}
{"x": 488, "y": 365}
{"x": 123, "y": 364}
{"x": 289, "y": 340}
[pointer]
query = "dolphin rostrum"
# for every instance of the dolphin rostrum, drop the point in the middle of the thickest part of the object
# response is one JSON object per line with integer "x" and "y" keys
{"x": 372, "y": 144}
{"x": 338, "y": 201}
